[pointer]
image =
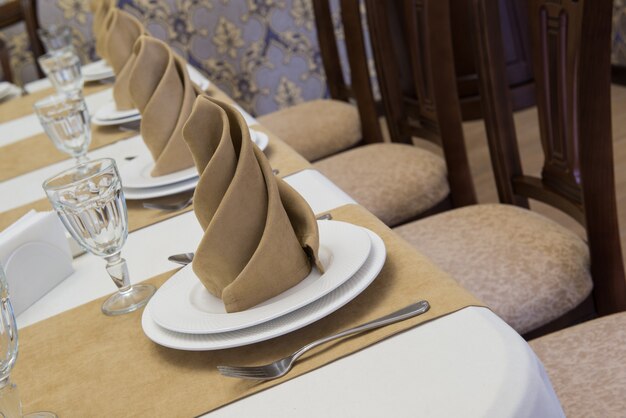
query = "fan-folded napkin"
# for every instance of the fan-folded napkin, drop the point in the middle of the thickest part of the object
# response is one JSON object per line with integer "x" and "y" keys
{"x": 159, "y": 86}
{"x": 100, "y": 10}
{"x": 260, "y": 236}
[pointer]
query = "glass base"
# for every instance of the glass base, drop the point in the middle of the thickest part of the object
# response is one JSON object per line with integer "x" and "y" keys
{"x": 129, "y": 300}
{"x": 42, "y": 414}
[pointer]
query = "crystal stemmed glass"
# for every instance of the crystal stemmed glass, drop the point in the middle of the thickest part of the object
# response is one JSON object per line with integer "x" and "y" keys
{"x": 90, "y": 202}
{"x": 65, "y": 119}
{"x": 55, "y": 37}
{"x": 63, "y": 69}
{"x": 10, "y": 405}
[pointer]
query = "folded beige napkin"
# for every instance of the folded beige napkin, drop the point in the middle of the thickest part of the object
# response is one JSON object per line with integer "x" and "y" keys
{"x": 158, "y": 84}
{"x": 100, "y": 10}
{"x": 260, "y": 236}
{"x": 121, "y": 30}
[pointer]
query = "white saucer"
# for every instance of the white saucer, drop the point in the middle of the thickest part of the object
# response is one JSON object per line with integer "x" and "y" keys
{"x": 281, "y": 325}
{"x": 109, "y": 115}
{"x": 154, "y": 192}
{"x": 8, "y": 90}
{"x": 136, "y": 174}
{"x": 183, "y": 304}
{"x": 97, "y": 70}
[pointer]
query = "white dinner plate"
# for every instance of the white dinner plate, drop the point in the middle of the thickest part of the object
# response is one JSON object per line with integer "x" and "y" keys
{"x": 5, "y": 88}
{"x": 154, "y": 192}
{"x": 183, "y": 304}
{"x": 8, "y": 90}
{"x": 97, "y": 70}
{"x": 279, "y": 326}
{"x": 136, "y": 173}
{"x": 109, "y": 115}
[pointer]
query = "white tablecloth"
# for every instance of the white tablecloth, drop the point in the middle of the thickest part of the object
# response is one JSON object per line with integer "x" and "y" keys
{"x": 468, "y": 364}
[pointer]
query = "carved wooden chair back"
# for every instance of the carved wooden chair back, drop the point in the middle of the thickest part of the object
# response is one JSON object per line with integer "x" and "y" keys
{"x": 5, "y": 62}
{"x": 572, "y": 67}
{"x": 16, "y": 11}
{"x": 360, "y": 88}
{"x": 412, "y": 44}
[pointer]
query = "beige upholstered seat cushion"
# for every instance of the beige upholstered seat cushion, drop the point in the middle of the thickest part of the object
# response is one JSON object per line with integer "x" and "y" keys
{"x": 316, "y": 129}
{"x": 528, "y": 269}
{"x": 395, "y": 182}
{"x": 587, "y": 366}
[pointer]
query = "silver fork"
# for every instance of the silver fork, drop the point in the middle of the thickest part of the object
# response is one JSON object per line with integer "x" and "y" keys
{"x": 170, "y": 206}
{"x": 281, "y": 367}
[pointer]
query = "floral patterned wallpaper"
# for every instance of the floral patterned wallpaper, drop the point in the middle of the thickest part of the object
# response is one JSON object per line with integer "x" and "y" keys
{"x": 263, "y": 53}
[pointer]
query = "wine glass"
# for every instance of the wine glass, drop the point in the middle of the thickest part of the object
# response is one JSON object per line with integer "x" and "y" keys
{"x": 55, "y": 37}
{"x": 90, "y": 202}
{"x": 10, "y": 404}
{"x": 63, "y": 69}
{"x": 65, "y": 119}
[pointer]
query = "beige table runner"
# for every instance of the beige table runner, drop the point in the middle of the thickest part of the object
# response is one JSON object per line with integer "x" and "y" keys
{"x": 38, "y": 151}
{"x": 84, "y": 364}
{"x": 23, "y": 106}
{"x": 282, "y": 158}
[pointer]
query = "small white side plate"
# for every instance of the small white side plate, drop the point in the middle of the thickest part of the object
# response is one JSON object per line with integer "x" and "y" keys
{"x": 109, "y": 115}
{"x": 97, "y": 70}
{"x": 136, "y": 173}
{"x": 154, "y": 192}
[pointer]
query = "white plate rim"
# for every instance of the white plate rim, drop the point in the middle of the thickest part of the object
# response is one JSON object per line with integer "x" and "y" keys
{"x": 153, "y": 192}
{"x": 349, "y": 246}
{"x": 281, "y": 325}
{"x": 135, "y": 173}
{"x": 114, "y": 122}
{"x": 104, "y": 72}
{"x": 108, "y": 113}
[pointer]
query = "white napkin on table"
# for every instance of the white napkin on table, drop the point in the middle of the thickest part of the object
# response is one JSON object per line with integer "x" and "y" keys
{"x": 36, "y": 256}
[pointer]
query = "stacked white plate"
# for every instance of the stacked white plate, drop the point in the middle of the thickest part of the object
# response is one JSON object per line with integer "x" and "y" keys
{"x": 184, "y": 315}
{"x": 139, "y": 184}
{"x": 96, "y": 71}
{"x": 8, "y": 90}
{"x": 108, "y": 115}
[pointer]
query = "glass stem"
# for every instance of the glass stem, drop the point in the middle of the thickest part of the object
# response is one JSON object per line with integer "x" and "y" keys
{"x": 82, "y": 159}
{"x": 117, "y": 269}
{"x": 10, "y": 404}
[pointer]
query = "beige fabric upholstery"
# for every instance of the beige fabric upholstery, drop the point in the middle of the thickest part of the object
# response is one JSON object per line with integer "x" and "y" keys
{"x": 395, "y": 182}
{"x": 587, "y": 367}
{"x": 528, "y": 269}
{"x": 316, "y": 129}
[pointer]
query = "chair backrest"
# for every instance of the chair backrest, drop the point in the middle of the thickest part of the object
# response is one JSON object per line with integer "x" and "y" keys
{"x": 360, "y": 89}
{"x": 16, "y": 11}
{"x": 516, "y": 39}
{"x": 572, "y": 67}
{"x": 412, "y": 44}
{"x": 5, "y": 62}
{"x": 29, "y": 9}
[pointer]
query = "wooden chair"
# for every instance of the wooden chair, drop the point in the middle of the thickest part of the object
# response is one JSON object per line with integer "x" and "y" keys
{"x": 399, "y": 182}
{"x": 412, "y": 45}
{"x": 534, "y": 273}
{"x": 29, "y": 11}
{"x": 5, "y": 62}
{"x": 319, "y": 128}
{"x": 516, "y": 39}
{"x": 16, "y": 11}
{"x": 586, "y": 366}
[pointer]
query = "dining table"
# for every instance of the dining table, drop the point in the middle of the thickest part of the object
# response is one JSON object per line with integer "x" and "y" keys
{"x": 463, "y": 362}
